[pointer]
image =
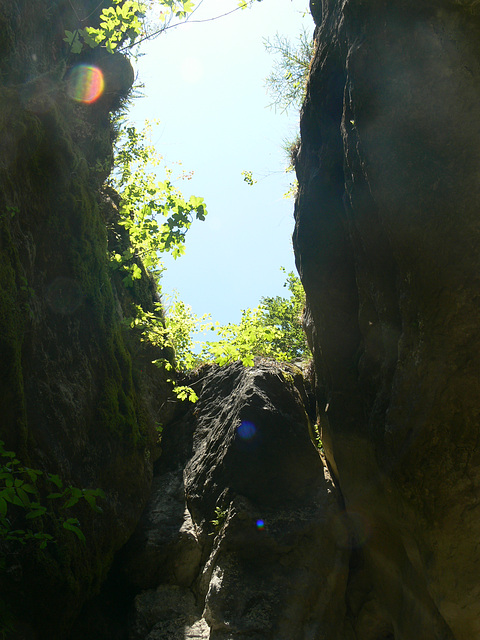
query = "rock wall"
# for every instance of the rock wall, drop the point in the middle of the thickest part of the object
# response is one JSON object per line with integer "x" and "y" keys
{"x": 73, "y": 400}
{"x": 386, "y": 242}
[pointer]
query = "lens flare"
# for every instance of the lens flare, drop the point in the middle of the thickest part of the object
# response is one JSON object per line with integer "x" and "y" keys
{"x": 85, "y": 83}
{"x": 64, "y": 295}
{"x": 260, "y": 524}
{"x": 247, "y": 430}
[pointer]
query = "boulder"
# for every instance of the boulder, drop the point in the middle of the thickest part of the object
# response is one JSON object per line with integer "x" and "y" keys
{"x": 244, "y": 534}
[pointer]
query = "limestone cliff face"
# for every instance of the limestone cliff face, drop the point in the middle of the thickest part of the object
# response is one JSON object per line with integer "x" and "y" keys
{"x": 72, "y": 401}
{"x": 386, "y": 241}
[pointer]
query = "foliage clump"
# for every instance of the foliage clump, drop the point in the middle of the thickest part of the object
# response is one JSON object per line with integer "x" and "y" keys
{"x": 286, "y": 315}
{"x": 144, "y": 201}
{"x": 287, "y": 84}
{"x": 288, "y": 79}
{"x": 124, "y": 20}
{"x": 272, "y": 330}
{"x": 21, "y": 504}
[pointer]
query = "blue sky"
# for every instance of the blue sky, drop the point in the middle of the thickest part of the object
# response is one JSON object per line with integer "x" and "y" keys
{"x": 205, "y": 83}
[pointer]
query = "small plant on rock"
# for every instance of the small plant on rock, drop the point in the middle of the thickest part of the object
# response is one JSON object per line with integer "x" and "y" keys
{"x": 22, "y": 507}
{"x": 220, "y": 517}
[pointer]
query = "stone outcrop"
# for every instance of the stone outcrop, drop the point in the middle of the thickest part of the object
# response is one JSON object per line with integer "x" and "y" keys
{"x": 386, "y": 242}
{"x": 240, "y": 536}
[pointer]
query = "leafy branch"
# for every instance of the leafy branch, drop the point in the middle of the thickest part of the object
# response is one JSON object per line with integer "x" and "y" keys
{"x": 287, "y": 82}
{"x": 154, "y": 212}
{"x": 242, "y": 4}
{"x": 125, "y": 20}
{"x": 218, "y": 520}
{"x": 163, "y": 335}
{"x": 120, "y": 21}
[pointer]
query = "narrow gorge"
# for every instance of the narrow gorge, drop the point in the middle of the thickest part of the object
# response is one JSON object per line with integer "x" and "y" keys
{"x": 235, "y": 524}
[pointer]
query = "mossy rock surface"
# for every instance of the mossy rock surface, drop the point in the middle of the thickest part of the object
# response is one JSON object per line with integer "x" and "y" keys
{"x": 73, "y": 400}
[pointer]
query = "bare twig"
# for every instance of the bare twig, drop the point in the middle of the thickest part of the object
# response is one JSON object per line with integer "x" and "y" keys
{"x": 178, "y": 24}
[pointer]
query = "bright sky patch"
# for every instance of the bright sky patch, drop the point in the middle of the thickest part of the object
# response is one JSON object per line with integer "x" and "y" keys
{"x": 192, "y": 70}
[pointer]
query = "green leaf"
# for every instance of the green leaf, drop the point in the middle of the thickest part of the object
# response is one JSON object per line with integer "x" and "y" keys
{"x": 73, "y": 39}
{"x": 72, "y": 525}
{"x": 185, "y": 393}
{"x": 248, "y": 360}
{"x": 74, "y": 498}
{"x": 93, "y": 37}
{"x": 14, "y": 499}
{"x": 56, "y": 480}
{"x": 91, "y": 499}
{"x": 23, "y": 496}
{"x": 136, "y": 272}
{"x": 108, "y": 12}
{"x": 30, "y": 488}
{"x": 111, "y": 46}
{"x": 70, "y": 36}
{"x": 36, "y": 513}
{"x": 33, "y": 474}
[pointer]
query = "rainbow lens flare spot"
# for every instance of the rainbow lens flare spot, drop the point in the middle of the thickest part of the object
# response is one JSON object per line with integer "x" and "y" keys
{"x": 85, "y": 83}
{"x": 260, "y": 524}
{"x": 247, "y": 430}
